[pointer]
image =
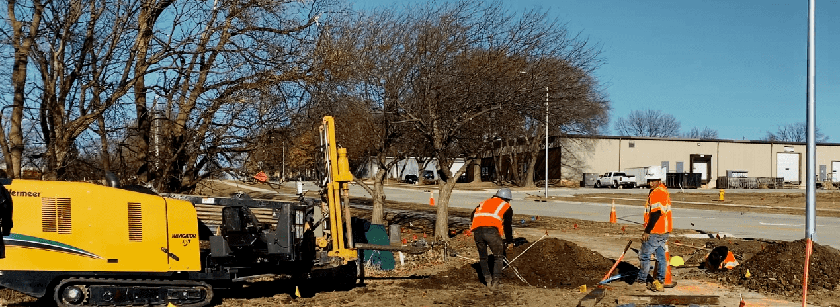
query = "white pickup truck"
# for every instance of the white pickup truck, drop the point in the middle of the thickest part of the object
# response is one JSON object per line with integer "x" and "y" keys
{"x": 616, "y": 180}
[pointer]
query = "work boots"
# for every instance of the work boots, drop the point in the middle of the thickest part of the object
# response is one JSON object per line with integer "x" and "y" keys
{"x": 489, "y": 281}
{"x": 496, "y": 283}
{"x": 656, "y": 286}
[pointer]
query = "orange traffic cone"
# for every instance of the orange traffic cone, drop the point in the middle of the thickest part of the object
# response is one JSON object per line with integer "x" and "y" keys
{"x": 432, "y": 198}
{"x": 743, "y": 303}
{"x": 612, "y": 214}
{"x": 668, "y": 282}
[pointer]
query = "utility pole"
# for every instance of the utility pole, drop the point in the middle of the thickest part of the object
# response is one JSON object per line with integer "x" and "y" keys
{"x": 546, "y": 143}
{"x": 811, "y": 153}
{"x": 284, "y": 162}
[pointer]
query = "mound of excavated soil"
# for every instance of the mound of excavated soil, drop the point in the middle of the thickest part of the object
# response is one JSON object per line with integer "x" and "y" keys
{"x": 555, "y": 263}
{"x": 550, "y": 263}
{"x": 779, "y": 268}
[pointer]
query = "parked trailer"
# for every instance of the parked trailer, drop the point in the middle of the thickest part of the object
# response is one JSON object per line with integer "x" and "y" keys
{"x": 645, "y": 174}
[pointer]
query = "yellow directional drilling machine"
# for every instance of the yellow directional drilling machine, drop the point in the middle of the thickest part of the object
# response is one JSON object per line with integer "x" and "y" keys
{"x": 81, "y": 244}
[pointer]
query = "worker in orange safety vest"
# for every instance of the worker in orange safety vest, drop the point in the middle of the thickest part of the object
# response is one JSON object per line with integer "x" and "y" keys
{"x": 490, "y": 220}
{"x": 658, "y": 226}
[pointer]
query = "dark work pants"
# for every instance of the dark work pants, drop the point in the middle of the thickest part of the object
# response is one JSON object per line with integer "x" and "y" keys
{"x": 489, "y": 237}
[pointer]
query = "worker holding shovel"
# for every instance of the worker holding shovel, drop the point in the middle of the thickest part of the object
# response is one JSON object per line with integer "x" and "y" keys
{"x": 490, "y": 220}
{"x": 658, "y": 226}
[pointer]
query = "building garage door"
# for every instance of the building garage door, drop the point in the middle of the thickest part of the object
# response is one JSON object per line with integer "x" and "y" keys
{"x": 700, "y": 168}
{"x": 787, "y": 166}
{"x": 835, "y": 171}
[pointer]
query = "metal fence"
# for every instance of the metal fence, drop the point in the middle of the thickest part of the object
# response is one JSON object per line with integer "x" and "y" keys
{"x": 751, "y": 182}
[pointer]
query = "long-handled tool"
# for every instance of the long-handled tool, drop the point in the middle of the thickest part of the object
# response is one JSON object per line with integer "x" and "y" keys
{"x": 618, "y": 261}
{"x": 619, "y": 276}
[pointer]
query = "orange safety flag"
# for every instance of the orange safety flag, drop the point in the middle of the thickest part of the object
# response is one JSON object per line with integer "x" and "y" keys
{"x": 261, "y": 177}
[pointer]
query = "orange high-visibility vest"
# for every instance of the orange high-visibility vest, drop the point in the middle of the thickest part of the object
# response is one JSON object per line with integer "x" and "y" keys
{"x": 489, "y": 213}
{"x": 729, "y": 262}
{"x": 659, "y": 200}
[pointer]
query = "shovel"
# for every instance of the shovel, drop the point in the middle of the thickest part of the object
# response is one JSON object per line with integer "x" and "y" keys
{"x": 618, "y": 261}
{"x": 619, "y": 276}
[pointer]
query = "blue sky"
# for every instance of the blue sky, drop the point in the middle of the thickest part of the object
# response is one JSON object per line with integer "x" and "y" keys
{"x": 736, "y": 66}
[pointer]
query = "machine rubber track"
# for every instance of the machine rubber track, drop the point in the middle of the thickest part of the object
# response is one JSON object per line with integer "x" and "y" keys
{"x": 79, "y": 292}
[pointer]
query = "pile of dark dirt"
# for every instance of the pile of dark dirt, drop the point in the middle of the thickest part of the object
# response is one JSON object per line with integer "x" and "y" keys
{"x": 550, "y": 263}
{"x": 779, "y": 269}
{"x": 556, "y": 263}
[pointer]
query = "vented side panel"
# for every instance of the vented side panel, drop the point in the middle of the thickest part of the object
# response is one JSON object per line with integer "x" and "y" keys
{"x": 135, "y": 222}
{"x": 55, "y": 215}
{"x": 48, "y": 217}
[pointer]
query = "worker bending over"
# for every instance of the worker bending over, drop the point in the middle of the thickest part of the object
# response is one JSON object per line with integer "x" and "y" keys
{"x": 490, "y": 220}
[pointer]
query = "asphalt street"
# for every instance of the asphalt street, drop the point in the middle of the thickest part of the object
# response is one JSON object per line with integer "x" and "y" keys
{"x": 743, "y": 225}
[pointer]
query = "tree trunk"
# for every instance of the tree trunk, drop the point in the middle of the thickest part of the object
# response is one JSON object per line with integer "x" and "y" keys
{"x": 103, "y": 139}
{"x": 143, "y": 130}
{"x": 22, "y": 43}
{"x": 514, "y": 169}
{"x": 476, "y": 170}
{"x": 442, "y": 222}
{"x": 498, "y": 163}
{"x": 529, "y": 173}
{"x": 530, "y": 160}
{"x": 144, "y": 125}
{"x": 57, "y": 154}
{"x": 378, "y": 196}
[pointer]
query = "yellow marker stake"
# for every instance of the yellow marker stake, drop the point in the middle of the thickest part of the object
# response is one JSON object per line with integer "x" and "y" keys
{"x": 297, "y": 291}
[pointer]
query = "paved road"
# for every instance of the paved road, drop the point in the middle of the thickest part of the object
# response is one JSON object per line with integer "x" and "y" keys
{"x": 742, "y": 225}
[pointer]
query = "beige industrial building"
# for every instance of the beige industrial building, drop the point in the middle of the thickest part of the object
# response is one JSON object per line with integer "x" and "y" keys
{"x": 710, "y": 158}
{"x": 572, "y": 157}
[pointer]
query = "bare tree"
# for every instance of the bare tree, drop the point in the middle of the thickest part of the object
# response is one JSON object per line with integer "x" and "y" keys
{"x": 705, "y": 134}
{"x": 464, "y": 61}
{"x": 796, "y": 132}
{"x": 24, "y": 30}
{"x": 359, "y": 59}
{"x": 216, "y": 73}
{"x": 649, "y": 123}
{"x": 575, "y": 106}
{"x": 234, "y": 73}
{"x": 84, "y": 69}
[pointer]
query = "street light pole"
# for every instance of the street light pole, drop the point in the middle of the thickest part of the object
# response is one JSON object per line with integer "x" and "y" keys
{"x": 546, "y": 140}
{"x": 283, "y": 177}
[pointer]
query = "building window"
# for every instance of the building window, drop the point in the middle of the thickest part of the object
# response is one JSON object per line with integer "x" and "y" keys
{"x": 632, "y": 144}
